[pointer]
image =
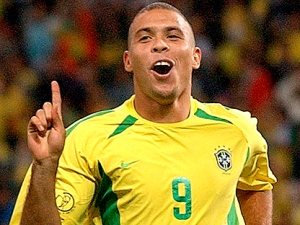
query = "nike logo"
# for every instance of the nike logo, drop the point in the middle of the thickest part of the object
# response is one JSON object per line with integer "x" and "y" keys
{"x": 126, "y": 165}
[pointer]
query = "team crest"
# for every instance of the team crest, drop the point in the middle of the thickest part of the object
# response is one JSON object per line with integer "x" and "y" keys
{"x": 223, "y": 158}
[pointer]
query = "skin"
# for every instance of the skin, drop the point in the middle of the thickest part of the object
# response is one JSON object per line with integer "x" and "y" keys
{"x": 155, "y": 35}
{"x": 45, "y": 137}
{"x": 256, "y": 206}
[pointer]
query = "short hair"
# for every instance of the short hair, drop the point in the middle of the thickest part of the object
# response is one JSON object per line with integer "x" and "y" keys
{"x": 158, "y": 5}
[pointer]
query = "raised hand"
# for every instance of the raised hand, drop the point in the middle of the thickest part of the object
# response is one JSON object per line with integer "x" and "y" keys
{"x": 46, "y": 131}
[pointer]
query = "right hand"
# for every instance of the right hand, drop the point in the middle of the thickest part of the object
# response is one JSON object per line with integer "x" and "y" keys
{"x": 46, "y": 131}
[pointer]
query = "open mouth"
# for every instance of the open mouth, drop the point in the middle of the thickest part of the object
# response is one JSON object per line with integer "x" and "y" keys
{"x": 162, "y": 67}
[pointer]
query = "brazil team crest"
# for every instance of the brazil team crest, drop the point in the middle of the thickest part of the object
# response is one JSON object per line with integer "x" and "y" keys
{"x": 223, "y": 158}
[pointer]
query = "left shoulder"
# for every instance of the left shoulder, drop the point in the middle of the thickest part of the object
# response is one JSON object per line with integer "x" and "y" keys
{"x": 222, "y": 111}
{"x": 243, "y": 120}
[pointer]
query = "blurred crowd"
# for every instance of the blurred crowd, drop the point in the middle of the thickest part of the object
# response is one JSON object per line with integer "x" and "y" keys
{"x": 251, "y": 61}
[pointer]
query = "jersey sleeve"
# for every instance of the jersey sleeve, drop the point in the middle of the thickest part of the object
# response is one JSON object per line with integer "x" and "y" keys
{"x": 76, "y": 183}
{"x": 76, "y": 186}
{"x": 256, "y": 174}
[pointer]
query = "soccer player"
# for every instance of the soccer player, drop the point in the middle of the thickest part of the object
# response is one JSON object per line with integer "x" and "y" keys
{"x": 162, "y": 157}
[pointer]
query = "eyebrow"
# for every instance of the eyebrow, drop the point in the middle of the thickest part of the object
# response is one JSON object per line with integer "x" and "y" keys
{"x": 145, "y": 29}
{"x": 151, "y": 30}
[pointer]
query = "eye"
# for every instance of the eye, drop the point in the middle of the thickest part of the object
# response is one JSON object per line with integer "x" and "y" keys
{"x": 173, "y": 37}
{"x": 145, "y": 38}
{"x": 174, "y": 33}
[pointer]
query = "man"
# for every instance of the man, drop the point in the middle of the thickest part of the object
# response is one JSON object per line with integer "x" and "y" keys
{"x": 160, "y": 158}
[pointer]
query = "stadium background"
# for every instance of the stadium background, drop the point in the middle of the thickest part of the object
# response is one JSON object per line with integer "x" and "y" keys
{"x": 251, "y": 61}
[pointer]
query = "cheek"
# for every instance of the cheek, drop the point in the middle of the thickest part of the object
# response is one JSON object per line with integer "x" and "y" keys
{"x": 185, "y": 68}
{"x": 186, "y": 63}
{"x": 138, "y": 61}
{"x": 137, "y": 66}
{"x": 139, "y": 69}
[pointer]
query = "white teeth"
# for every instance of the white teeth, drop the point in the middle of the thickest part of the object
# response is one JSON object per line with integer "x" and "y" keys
{"x": 162, "y": 63}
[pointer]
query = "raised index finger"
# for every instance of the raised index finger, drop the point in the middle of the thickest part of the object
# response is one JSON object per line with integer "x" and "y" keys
{"x": 56, "y": 97}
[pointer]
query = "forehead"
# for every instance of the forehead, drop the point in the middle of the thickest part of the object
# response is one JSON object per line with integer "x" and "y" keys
{"x": 159, "y": 18}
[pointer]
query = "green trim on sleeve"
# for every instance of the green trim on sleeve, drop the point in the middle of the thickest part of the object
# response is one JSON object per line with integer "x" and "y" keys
{"x": 248, "y": 155}
{"x": 127, "y": 122}
{"x": 74, "y": 125}
{"x": 202, "y": 114}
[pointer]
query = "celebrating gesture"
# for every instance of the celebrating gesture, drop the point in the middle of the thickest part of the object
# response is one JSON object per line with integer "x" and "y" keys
{"x": 46, "y": 138}
{"x": 46, "y": 132}
{"x": 162, "y": 157}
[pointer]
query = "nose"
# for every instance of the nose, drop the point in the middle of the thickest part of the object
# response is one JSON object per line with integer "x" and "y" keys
{"x": 160, "y": 46}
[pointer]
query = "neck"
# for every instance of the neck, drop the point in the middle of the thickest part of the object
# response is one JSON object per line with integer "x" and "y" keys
{"x": 159, "y": 112}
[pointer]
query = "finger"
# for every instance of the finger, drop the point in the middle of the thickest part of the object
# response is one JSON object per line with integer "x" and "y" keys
{"x": 41, "y": 116}
{"x": 56, "y": 104}
{"x": 56, "y": 97}
{"x": 35, "y": 125}
{"x": 47, "y": 110}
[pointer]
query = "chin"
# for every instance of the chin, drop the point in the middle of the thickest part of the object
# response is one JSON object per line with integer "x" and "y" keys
{"x": 165, "y": 98}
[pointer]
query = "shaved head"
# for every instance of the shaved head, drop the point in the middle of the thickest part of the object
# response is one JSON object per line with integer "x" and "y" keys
{"x": 153, "y": 6}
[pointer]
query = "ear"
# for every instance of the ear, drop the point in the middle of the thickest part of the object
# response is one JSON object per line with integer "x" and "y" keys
{"x": 196, "y": 58}
{"x": 127, "y": 62}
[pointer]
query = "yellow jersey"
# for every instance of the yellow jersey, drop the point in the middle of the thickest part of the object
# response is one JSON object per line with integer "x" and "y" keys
{"x": 118, "y": 168}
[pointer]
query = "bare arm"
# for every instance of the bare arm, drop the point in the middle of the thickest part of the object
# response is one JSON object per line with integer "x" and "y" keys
{"x": 256, "y": 206}
{"x": 46, "y": 136}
